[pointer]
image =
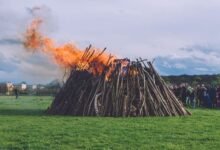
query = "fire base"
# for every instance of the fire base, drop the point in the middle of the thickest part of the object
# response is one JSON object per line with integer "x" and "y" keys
{"x": 134, "y": 89}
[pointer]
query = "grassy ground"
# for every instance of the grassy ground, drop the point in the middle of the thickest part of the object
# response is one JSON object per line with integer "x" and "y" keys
{"x": 23, "y": 125}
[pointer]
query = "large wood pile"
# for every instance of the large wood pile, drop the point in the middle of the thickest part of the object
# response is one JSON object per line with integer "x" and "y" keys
{"x": 124, "y": 88}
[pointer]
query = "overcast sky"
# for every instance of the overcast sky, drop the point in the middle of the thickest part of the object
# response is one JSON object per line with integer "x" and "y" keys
{"x": 183, "y": 35}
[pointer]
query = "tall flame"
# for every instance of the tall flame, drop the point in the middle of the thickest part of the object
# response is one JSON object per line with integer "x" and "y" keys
{"x": 67, "y": 55}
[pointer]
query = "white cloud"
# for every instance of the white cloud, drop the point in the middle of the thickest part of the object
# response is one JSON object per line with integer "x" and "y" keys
{"x": 202, "y": 69}
{"x": 179, "y": 66}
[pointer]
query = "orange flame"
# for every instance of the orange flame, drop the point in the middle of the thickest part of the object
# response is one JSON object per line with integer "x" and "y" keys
{"x": 67, "y": 55}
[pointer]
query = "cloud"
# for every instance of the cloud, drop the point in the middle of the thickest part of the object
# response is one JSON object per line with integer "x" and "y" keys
{"x": 6, "y": 65}
{"x": 194, "y": 61}
{"x": 179, "y": 66}
{"x": 202, "y": 69}
{"x": 17, "y": 65}
{"x": 10, "y": 41}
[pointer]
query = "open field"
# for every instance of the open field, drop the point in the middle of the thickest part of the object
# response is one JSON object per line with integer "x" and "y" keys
{"x": 23, "y": 125}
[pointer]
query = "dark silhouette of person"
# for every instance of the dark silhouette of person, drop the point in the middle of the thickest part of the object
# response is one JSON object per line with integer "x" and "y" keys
{"x": 16, "y": 93}
{"x": 183, "y": 93}
{"x": 212, "y": 94}
{"x": 218, "y": 97}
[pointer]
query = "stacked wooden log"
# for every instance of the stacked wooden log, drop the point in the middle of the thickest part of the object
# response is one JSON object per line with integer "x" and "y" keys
{"x": 124, "y": 88}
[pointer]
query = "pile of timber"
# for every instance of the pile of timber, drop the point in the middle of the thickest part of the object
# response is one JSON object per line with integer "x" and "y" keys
{"x": 125, "y": 88}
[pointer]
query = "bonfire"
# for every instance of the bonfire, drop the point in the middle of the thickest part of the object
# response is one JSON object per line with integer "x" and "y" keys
{"x": 100, "y": 84}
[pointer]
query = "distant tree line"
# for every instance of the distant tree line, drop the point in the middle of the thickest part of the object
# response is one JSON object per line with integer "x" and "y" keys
{"x": 194, "y": 79}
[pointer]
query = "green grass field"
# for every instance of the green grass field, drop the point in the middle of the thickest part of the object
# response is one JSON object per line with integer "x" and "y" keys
{"x": 23, "y": 125}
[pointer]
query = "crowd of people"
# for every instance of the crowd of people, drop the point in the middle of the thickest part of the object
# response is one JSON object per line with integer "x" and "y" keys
{"x": 198, "y": 96}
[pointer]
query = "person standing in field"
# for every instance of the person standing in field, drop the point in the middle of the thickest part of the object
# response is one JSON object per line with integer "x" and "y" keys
{"x": 16, "y": 93}
{"x": 199, "y": 95}
{"x": 212, "y": 94}
{"x": 206, "y": 98}
{"x": 190, "y": 98}
{"x": 183, "y": 93}
{"x": 218, "y": 97}
{"x": 203, "y": 93}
